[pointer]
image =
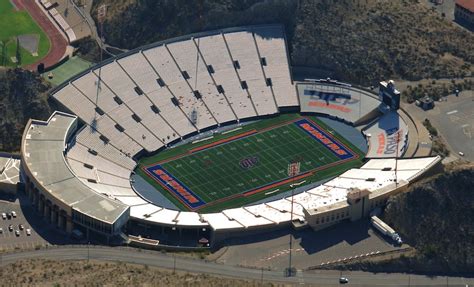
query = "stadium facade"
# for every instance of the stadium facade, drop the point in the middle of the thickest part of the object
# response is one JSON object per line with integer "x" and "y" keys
{"x": 77, "y": 165}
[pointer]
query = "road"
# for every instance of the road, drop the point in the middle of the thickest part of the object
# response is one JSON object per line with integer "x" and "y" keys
{"x": 161, "y": 260}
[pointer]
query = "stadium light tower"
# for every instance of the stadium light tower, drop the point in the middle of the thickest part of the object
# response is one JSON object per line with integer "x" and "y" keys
{"x": 293, "y": 171}
{"x": 396, "y": 158}
{"x": 101, "y": 14}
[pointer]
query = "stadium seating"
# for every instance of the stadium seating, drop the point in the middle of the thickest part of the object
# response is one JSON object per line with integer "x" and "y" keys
{"x": 387, "y": 137}
{"x": 214, "y": 51}
{"x": 245, "y": 56}
{"x": 185, "y": 54}
{"x": 271, "y": 46}
{"x": 148, "y": 98}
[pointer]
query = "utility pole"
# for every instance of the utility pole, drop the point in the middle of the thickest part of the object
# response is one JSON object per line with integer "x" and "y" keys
{"x": 293, "y": 171}
{"x": 396, "y": 158}
{"x": 88, "y": 253}
{"x": 174, "y": 263}
{"x": 101, "y": 14}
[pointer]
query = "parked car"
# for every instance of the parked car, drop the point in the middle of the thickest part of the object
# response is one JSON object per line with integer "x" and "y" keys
{"x": 1, "y": 230}
{"x": 14, "y": 214}
{"x": 28, "y": 232}
{"x": 17, "y": 233}
{"x": 4, "y": 215}
{"x": 10, "y": 228}
{"x": 20, "y": 226}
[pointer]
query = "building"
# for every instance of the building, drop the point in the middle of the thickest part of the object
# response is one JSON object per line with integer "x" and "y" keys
{"x": 55, "y": 191}
{"x": 426, "y": 103}
{"x": 464, "y": 13}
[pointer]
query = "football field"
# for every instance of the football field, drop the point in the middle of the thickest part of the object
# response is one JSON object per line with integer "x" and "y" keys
{"x": 249, "y": 164}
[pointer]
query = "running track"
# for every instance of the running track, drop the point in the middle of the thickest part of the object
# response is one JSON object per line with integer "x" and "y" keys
{"x": 58, "y": 43}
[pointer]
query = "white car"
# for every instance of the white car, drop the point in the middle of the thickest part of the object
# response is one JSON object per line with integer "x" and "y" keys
{"x": 461, "y": 153}
{"x": 28, "y": 232}
{"x": 13, "y": 214}
{"x": 1, "y": 230}
{"x": 343, "y": 280}
{"x": 4, "y": 216}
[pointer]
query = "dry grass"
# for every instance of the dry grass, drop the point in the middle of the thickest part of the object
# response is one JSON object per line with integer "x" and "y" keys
{"x": 40, "y": 272}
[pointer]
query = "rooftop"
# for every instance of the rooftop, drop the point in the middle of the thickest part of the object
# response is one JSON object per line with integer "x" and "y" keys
{"x": 43, "y": 150}
{"x": 468, "y": 4}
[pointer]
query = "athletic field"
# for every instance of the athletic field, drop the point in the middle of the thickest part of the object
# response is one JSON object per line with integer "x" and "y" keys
{"x": 16, "y": 23}
{"x": 248, "y": 164}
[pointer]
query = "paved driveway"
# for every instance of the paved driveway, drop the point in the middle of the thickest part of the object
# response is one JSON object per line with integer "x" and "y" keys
{"x": 454, "y": 120}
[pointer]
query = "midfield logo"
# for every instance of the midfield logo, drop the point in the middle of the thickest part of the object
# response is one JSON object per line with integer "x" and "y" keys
{"x": 248, "y": 162}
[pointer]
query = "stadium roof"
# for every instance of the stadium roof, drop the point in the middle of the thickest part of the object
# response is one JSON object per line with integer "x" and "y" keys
{"x": 468, "y": 4}
{"x": 43, "y": 151}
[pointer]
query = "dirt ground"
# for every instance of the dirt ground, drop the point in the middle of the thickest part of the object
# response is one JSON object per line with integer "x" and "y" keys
{"x": 94, "y": 273}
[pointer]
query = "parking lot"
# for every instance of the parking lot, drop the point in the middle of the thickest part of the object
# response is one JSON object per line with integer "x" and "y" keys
{"x": 454, "y": 119}
{"x": 8, "y": 239}
{"x": 42, "y": 233}
{"x": 310, "y": 248}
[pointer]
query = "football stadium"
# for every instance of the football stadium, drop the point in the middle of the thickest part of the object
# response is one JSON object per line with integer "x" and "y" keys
{"x": 198, "y": 139}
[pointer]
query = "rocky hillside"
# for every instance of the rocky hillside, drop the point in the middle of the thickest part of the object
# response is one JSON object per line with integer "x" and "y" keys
{"x": 436, "y": 217}
{"x": 22, "y": 96}
{"x": 132, "y": 23}
{"x": 361, "y": 41}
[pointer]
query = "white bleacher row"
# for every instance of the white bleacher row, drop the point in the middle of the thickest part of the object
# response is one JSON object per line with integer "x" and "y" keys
{"x": 164, "y": 64}
{"x": 91, "y": 140}
{"x": 186, "y": 54}
{"x": 375, "y": 175}
{"x": 214, "y": 51}
{"x": 143, "y": 74}
{"x": 242, "y": 48}
{"x": 136, "y": 130}
{"x": 79, "y": 154}
{"x": 190, "y": 105}
{"x": 58, "y": 18}
{"x": 46, "y": 4}
{"x": 154, "y": 122}
{"x": 117, "y": 110}
{"x": 272, "y": 48}
{"x": 109, "y": 190}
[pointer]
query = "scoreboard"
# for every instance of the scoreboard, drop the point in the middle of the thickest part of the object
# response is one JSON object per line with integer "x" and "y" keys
{"x": 389, "y": 96}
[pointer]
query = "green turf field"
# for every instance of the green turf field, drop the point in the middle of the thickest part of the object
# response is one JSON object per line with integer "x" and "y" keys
{"x": 14, "y": 23}
{"x": 238, "y": 172}
{"x": 70, "y": 68}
